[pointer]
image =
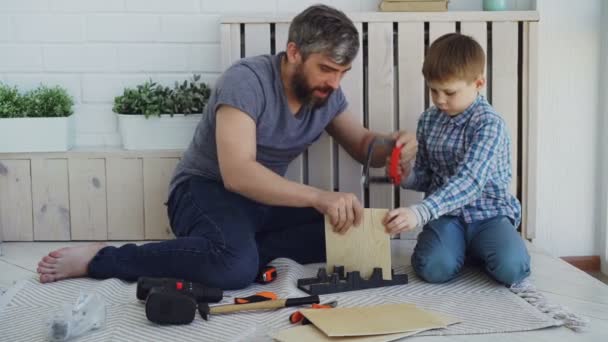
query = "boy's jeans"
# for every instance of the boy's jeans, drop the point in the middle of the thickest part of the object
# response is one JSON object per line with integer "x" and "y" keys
{"x": 445, "y": 242}
{"x": 222, "y": 239}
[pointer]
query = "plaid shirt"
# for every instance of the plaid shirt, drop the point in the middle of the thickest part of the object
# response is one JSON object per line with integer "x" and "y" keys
{"x": 463, "y": 165}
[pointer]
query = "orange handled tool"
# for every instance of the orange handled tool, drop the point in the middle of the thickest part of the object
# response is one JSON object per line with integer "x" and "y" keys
{"x": 297, "y": 316}
{"x": 267, "y": 275}
{"x": 258, "y": 297}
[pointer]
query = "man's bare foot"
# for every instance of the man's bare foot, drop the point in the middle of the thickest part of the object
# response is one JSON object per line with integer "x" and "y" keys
{"x": 68, "y": 262}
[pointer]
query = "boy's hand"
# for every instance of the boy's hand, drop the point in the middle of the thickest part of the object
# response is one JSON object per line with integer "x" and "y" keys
{"x": 400, "y": 220}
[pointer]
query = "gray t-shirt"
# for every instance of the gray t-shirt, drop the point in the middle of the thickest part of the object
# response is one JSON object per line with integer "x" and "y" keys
{"x": 254, "y": 86}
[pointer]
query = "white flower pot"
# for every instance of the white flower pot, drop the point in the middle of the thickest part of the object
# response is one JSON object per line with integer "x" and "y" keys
{"x": 19, "y": 135}
{"x": 157, "y": 133}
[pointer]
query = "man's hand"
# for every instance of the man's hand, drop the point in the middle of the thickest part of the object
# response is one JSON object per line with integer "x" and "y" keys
{"x": 344, "y": 209}
{"x": 409, "y": 146}
{"x": 400, "y": 220}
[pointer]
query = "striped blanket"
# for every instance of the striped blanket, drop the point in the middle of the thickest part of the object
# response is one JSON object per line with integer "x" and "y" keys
{"x": 480, "y": 303}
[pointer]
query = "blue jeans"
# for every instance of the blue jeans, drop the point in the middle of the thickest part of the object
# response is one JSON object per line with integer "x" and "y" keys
{"x": 222, "y": 239}
{"x": 445, "y": 242}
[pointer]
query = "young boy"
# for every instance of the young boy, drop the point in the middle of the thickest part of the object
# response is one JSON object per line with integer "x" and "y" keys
{"x": 463, "y": 165}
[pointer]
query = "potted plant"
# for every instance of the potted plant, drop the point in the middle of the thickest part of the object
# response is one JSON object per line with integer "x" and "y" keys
{"x": 152, "y": 116}
{"x": 39, "y": 120}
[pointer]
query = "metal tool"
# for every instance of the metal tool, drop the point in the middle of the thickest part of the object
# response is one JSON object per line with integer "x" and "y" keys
{"x": 383, "y": 146}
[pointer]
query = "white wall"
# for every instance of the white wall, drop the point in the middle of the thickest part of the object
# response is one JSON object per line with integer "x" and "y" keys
{"x": 97, "y": 47}
{"x": 569, "y": 114}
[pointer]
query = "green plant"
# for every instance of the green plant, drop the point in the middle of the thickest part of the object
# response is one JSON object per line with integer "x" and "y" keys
{"x": 41, "y": 102}
{"x": 154, "y": 99}
{"x": 48, "y": 102}
{"x": 11, "y": 102}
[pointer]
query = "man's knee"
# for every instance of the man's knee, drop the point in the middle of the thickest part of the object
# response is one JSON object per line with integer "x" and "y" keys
{"x": 233, "y": 272}
{"x": 509, "y": 269}
{"x": 436, "y": 267}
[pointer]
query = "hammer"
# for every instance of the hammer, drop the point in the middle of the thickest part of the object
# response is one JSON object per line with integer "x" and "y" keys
{"x": 204, "y": 309}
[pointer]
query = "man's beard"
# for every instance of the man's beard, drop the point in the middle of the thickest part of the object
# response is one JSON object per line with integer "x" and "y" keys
{"x": 305, "y": 93}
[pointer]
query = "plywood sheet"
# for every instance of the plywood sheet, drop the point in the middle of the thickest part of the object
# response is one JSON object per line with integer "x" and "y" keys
{"x": 361, "y": 248}
{"x": 374, "y": 320}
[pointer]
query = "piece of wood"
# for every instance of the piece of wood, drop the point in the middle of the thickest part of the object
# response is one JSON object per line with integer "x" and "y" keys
{"x": 376, "y": 16}
{"x": 157, "y": 176}
{"x": 373, "y": 320}
{"x": 125, "y": 199}
{"x": 504, "y": 84}
{"x": 362, "y": 248}
{"x": 531, "y": 130}
{"x": 16, "y": 200}
{"x": 320, "y": 163}
{"x": 349, "y": 169}
{"x": 230, "y": 44}
{"x": 411, "y": 96}
{"x": 50, "y": 199}
{"x": 257, "y": 39}
{"x": 381, "y": 101}
{"x": 308, "y": 333}
{"x": 88, "y": 206}
{"x": 479, "y": 32}
{"x": 295, "y": 170}
{"x": 588, "y": 263}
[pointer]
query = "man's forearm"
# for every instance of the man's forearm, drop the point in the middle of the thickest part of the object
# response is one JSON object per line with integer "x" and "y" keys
{"x": 379, "y": 153}
{"x": 262, "y": 185}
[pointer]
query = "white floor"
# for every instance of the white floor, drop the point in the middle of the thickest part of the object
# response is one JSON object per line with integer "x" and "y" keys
{"x": 559, "y": 282}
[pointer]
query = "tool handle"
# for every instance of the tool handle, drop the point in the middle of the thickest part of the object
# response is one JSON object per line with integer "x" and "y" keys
{"x": 393, "y": 170}
{"x": 269, "y": 304}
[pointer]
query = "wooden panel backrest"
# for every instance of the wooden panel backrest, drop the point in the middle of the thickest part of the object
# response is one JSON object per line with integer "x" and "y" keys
{"x": 386, "y": 90}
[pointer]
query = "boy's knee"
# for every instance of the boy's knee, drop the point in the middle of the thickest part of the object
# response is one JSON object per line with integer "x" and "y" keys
{"x": 435, "y": 268}
{"x": 509, "y": 269}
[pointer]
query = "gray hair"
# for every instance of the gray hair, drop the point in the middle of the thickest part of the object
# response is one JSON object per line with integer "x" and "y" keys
{"x": 326, "y": 30}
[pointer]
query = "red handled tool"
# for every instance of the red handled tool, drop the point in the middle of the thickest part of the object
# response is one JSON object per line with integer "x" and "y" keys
{"x": 382, "y": 146}
{"x": 393, "y": 170}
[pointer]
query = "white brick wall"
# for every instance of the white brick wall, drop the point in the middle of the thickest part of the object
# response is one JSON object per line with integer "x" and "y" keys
{"x": 95, "y": 48}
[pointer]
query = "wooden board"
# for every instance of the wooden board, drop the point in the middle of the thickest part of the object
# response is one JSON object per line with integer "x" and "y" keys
{"x": 411, "y": 95}
{"x": 350, "y": 170}
{"x": 504, "y": 84}
{"x": 16, "y": 200}
{"x": 530, "y": 130}
{"x": 361, "y": 248}
{"x": 295, "y": 170}
{"x": 257, "y": 39}
{"x": 308, "y": 333}
{"x": 88, "y": 206}
{"x": 157, "y": 176}
{"x": 125, "y": 199}
{"x": 479, "y": 32}
{"x": 50, "y": 199}
{"x": 231, "y": 44}
{"x": 381, "y": 100}
{"x": 320, "y": 163}
{"x": 374, "y": 320}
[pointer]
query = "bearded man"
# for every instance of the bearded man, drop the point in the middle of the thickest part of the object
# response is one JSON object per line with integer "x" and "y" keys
{"x": 229, "y": 205}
